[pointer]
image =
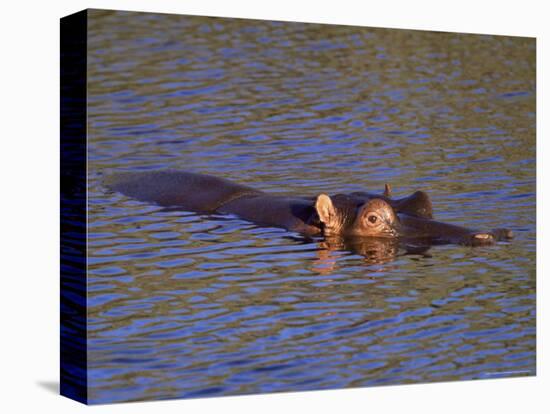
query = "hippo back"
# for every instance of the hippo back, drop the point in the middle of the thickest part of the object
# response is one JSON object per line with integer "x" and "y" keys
{"x": 171, "y": 188}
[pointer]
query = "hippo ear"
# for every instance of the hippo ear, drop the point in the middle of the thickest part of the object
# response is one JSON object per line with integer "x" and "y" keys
{"x": 325, "y": 209}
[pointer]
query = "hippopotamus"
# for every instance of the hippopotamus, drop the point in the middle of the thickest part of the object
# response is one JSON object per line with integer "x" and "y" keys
{"x": 358, "y": 214}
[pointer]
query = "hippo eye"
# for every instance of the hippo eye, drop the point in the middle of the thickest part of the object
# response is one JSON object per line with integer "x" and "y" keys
{"x": 372, "y": 218}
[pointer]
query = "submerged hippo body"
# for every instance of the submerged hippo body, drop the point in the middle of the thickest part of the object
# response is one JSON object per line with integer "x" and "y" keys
{"x": 190, "y": 191}
{"x": 358, "y": 214}
{"x": 208, "y": 194}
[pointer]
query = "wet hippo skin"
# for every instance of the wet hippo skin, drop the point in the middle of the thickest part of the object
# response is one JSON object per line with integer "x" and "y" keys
{"x": 359, "y": 214}
{"x": 417, "y": 230}
{"x": 417, "y": 204}
{"x": 171, "y": 188}
{"x": 380, "y": 216}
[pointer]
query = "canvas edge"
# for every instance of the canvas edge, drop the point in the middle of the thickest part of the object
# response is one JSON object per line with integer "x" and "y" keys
{"x": 73, "y": 207}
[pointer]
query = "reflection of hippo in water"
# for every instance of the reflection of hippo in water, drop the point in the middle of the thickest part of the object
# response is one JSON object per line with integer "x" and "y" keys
{"x": 354, "y": 215}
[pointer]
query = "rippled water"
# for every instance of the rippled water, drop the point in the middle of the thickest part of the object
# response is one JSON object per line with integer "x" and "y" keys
{"x": 188, "y": 305}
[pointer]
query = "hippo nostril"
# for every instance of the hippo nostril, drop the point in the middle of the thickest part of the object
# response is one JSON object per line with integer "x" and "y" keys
{"x": 480, "y": 239}
{"x": 482, "y": 236}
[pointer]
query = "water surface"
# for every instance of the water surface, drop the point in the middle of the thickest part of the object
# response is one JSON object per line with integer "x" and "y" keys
{"x": 187, "y": 305}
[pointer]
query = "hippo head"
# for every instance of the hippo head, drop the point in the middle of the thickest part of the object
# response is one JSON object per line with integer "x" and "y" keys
{"x": 344, "y": 216}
